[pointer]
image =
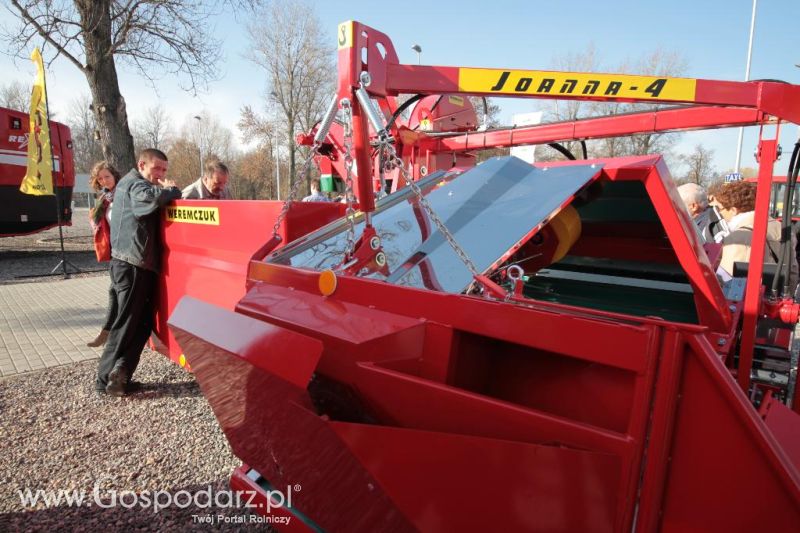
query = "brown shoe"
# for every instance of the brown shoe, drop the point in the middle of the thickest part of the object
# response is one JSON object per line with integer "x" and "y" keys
{"x": 100, "y": 340}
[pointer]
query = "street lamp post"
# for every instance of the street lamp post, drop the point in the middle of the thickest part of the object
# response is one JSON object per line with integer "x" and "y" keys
{"x": 276, "y": 151}
{"x": 746, "y": 78}
{"x": 418, "y": 49}
{"x": 276, "y": 148}
{"x": 199, "y": 145}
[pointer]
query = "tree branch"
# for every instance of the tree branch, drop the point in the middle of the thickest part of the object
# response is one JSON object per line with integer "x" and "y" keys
{"x": 41, "y": 31}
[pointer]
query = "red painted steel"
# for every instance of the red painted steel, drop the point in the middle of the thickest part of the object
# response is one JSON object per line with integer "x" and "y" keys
{"x": 611, "y": 387}
{"x": 663, "y": 120}
{"x": 767, "y": 151}
{"x": 556, "y": 488}
{"x": 209, "y": 261}
{"x": 444, "y": 400}
{"x": 401, "y": 409}
{"x": 722, "y": 456}
{"x": 784, "y": 425}
{"x": 364, "y": 186}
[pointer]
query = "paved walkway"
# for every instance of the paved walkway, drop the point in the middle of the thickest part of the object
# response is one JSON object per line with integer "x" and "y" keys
{"x": 45, "y": 324}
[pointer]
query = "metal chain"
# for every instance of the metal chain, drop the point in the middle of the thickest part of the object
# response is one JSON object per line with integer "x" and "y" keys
{"x": 295, "y": 188}
{"x": 350, "y": 212}
{"x": 392, "y": 161}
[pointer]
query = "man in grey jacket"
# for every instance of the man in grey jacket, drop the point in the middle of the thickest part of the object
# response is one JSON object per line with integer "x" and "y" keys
{"x": 135, "y": 259}
{"x": 213, "y": 185}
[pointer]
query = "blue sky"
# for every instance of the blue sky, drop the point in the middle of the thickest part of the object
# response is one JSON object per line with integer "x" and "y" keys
{"x": 712, "y": 36}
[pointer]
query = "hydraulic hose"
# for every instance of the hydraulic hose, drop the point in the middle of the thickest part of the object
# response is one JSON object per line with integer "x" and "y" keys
{"x": 563, "y": 150}
{"x": 405, "y": 105}
{"x": 788, "y": 208}
{"x": 784, "y": 261}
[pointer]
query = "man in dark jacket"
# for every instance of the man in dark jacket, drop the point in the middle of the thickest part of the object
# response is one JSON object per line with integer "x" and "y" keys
{"x": 135, "y": 258}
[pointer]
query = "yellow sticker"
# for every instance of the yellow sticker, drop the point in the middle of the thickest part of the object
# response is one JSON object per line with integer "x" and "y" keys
{"x": 194, "y": 215}
{"x": 608, "y": 86}
{"x": 456, "y": 100}
{"x": 345, "y": 35}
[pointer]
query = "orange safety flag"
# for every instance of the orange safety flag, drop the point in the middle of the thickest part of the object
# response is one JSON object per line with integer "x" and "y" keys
{"x": 39, "y": 177}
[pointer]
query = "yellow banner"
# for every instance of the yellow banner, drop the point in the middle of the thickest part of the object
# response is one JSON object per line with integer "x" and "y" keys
{"x": 571, "y": 84}
{"x": 194, "y": 215}
{"x": 39, "y": 176}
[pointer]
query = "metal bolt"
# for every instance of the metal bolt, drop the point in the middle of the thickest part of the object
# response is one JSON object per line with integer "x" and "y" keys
{"x": 732, "y": 308}
{"x": 366, "y": 79}
{"x": 375, "y": 243}
{"x": 721, "y": 342}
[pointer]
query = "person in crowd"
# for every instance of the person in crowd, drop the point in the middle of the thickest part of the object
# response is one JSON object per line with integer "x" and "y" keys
{"x": 736, "y": 202}
{"x": 212, "y": 185}
{"x": 135, "y": 261}
{"x": 103, "y": 180}
{"x": 315, "y": 195}
{"x": 713, "y": 189}
{"x": 710, "y": 224}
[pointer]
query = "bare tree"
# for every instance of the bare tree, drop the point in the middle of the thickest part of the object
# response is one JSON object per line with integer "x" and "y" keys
{"x": 154, "y": 36}
{"x": 253, "y": 180}
{"x": 15, "y": 95}
{"x": 255, "y": 126}
{"x": 86, "y": 147}
{"x": 198, "y": 139}
{"x": 660, "y": 63}
{"x": 699, "y": 163}
{"x": 153, "y": 130}
{"x": 209, "y": 135}
{"x": 288, "y": 44}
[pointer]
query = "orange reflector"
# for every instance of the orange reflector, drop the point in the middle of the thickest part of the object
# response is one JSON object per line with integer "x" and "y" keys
{"x": 182, "y": 360}
{"x": 327, "y": 282}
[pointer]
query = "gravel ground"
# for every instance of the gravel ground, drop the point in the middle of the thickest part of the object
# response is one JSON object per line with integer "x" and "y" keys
{"x": 29, "y": 257}
{"x": 58, "y": 434}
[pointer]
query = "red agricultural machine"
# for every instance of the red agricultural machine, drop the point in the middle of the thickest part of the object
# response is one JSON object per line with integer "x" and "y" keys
{"x": 500, "y": 346}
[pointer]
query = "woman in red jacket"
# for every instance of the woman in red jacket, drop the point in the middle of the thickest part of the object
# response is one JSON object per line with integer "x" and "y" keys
{"x": 103, "y": 180}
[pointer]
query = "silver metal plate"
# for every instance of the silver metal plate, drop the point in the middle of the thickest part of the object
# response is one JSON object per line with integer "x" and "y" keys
{"x": 488, "y": 209}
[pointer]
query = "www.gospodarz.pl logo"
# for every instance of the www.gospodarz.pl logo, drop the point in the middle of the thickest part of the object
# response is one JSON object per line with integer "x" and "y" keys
{"x": 205, "y": 498}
